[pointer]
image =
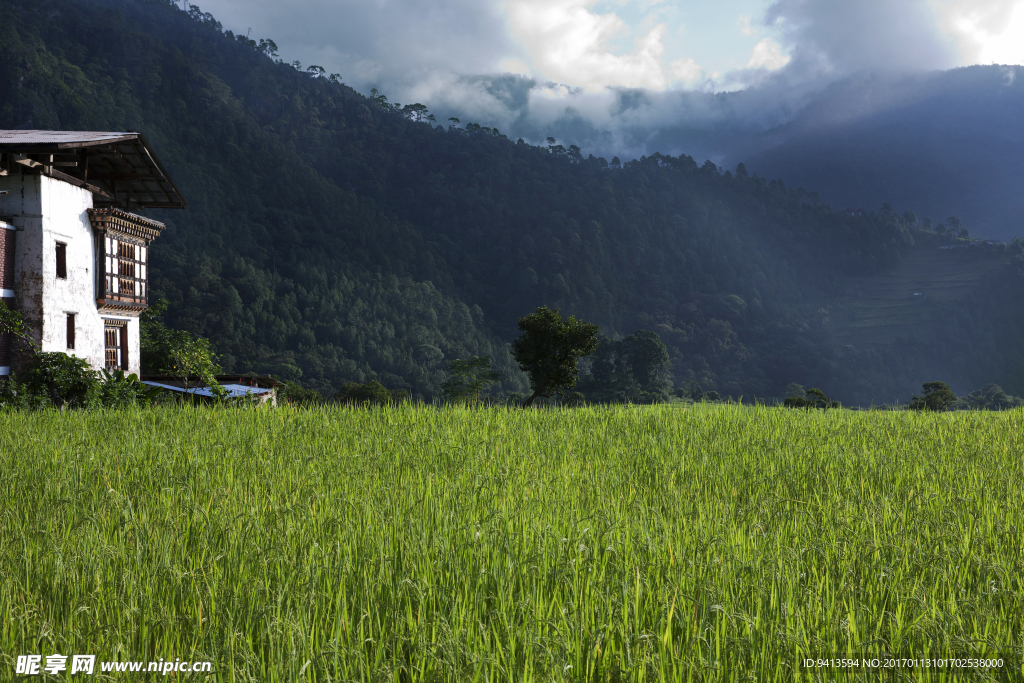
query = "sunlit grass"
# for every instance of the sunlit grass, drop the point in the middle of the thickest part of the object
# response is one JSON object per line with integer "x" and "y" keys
{"x": 416, "y": 544}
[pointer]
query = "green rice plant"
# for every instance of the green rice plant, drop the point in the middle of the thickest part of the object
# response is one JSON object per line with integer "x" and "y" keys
{"x": 413, "y": 544}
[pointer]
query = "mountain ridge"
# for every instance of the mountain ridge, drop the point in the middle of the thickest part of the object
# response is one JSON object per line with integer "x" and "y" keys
{"x": 331, "y": 239}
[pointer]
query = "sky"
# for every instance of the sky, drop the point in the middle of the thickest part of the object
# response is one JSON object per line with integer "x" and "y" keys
{"x": 617, "y": 73}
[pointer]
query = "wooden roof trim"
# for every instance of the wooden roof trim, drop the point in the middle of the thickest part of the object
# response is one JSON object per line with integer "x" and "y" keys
{"x": 125, "y": 222}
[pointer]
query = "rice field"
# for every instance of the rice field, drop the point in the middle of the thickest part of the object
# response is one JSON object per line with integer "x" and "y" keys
{"x": 412, "y": 544}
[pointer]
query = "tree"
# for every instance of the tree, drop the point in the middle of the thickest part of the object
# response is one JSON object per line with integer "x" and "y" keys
{"x": 937, "y": 396}
{"x": 991, "y": 397}
{"x": 296, "y": 394}
{"x": 165, "y": 351}
{"x": 812, "y": 398}
{"x": 468, "y": 378}
{"x": 615, "y": 163}
{"x": 370, "y": 394}
{"x": 550, "y": 348}
{"x": 635, "y": 369}
{"x": 415, "y": 112}
{"x": 267, "y": 47}
{"x": 11, "y": 322}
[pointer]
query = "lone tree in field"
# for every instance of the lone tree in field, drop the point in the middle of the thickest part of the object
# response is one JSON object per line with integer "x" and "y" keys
{"x": 468, "y": 378}
{"x": 936, "y": 396}
{"x": 550, "y": 348}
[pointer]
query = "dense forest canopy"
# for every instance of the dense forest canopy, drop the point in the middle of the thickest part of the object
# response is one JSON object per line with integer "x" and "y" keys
{"x": 334, "y": 237}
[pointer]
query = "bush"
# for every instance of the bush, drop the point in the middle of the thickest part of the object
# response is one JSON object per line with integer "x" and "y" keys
{"x": 812, "y": 398}
{"x": 373, "y": 393}
{"x": 295, "y": 393}
{"x": 67, "y": 381}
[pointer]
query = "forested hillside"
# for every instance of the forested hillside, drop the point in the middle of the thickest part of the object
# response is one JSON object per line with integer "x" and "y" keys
{"x": 334, "y": 237}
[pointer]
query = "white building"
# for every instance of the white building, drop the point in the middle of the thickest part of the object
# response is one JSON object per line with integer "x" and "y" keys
{"x": 74, "y": 259}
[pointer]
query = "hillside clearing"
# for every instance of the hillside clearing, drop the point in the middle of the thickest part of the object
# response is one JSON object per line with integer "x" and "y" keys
{"x": 908, "y": 302}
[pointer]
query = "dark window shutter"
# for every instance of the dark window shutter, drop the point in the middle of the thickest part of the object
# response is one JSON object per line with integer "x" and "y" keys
{"x": 124, "y": 347}
{"x": 62, "y": 261}
{"x": 71, "y": 330}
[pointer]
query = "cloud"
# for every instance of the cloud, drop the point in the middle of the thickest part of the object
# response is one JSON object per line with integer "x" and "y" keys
{"x": 567, "y": 42}
{"x": 686, "y": 70}
{"x": 767, "y": 55}
{"x": 745, "y": 27}
{"x": 619, "y": 77}
{"x": 827, "y": 37}
{"x": 988, "y": 33}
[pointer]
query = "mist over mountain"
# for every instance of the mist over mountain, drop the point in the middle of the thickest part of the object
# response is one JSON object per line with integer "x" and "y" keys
{"x": 945, "y": 143}
{"x": 332, "y": 237}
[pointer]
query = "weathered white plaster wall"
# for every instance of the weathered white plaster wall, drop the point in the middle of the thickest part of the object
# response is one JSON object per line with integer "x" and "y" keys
{"x": 46, "y": 211}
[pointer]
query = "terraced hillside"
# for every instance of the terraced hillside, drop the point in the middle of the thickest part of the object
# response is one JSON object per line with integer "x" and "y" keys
{"x": 910, "y": 301}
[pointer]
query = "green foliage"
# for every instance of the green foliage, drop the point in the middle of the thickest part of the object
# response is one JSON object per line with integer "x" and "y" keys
{"x": 13, "y": 323}
{"x": 633, "y": 370}
{"x": 67, "y": 381}
{"x": 118, "y": 390}
{"x": 468, "y": 378}
{"x": 295, "y": 393}
{"x": 178, "y": 353}
{"x": 812, "y": 398}
{"x": 19, "y": 396}
{"x": 989, "y": 397}
{"x": 370, "y": 394}
{"x": 936, "y": 396}
{"x": 550, "y": 348}
{"x": 386, "y": 538}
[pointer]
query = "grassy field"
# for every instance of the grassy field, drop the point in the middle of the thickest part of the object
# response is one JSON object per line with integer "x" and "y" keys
{"x": 413, "y": 544}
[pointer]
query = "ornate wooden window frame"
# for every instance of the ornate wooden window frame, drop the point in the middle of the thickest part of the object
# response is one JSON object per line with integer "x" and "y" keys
{"x": 115, "y": 344}
{"x": 122, "y": 250}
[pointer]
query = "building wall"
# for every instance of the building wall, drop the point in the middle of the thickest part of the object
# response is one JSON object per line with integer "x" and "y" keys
{"x": 44, "y": 212}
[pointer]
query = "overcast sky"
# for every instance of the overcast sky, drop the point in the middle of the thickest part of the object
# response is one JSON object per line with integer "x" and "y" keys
{"x": 596, "y": 68}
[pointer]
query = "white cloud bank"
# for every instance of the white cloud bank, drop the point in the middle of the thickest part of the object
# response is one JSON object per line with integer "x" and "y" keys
{"x": 568, "y": 43}
{"x": 618, "y": 74}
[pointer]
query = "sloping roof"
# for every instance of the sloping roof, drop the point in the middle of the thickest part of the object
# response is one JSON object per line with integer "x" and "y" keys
{"x": 195, "y": 380}
{"x": 233, "y": 390}
{"x": 119, "y": 168}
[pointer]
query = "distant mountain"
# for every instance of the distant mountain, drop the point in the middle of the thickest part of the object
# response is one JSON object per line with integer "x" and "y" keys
{"x": 943, "y": 144}
{"x": 333, "y": 237}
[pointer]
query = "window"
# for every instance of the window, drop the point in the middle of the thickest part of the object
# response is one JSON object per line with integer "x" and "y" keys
{"x": 62, "y": 261}
{"x": 125, "y": 269}
{"x": 115, "y": 345}
{"x": 71, "y": 330}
